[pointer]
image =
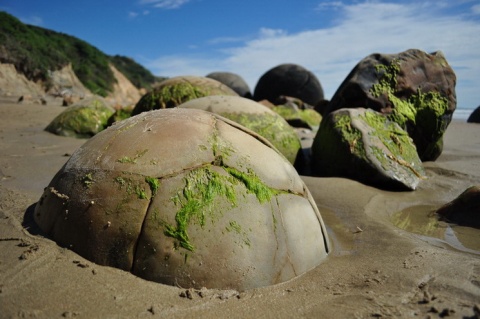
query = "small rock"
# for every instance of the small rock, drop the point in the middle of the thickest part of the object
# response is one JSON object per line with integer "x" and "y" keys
{"x": 464, "y": 210}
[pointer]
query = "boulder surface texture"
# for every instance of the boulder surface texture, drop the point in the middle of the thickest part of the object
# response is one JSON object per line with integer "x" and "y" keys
{"x": 364, "y": 145}
{"x": 413, "y": 88}
{"x": 188, "y": 198}
{"x": 253, "y": 116}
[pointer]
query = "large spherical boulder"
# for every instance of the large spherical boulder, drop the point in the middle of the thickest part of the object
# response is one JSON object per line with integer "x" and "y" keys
{"x": 82, "y": 119}
{"x": 175, "y": 91}
{"x": 185, "y": 197}
{"x": 233, "y": 81}
{"x": 254, "y": 116}
{"x": 289, "y": 80}
{"x": 413, "y": 88}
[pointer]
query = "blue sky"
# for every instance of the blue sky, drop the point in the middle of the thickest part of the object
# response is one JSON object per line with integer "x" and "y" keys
{"x": 248, "y": 37}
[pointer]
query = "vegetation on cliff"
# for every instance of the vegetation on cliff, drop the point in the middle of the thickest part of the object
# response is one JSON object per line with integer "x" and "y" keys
{"x": 36, "y": 52}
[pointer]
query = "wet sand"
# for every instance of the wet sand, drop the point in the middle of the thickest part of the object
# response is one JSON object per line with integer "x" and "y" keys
{"x": 390, "y": 259}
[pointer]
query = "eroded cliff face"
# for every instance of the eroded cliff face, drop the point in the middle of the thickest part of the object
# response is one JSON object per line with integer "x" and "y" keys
{"x": 13, "y": 83}
{"x": 64, "y": 82}
{"x": 124, "y": 92}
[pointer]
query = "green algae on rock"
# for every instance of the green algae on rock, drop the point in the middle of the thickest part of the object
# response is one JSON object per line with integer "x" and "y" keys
{"x": 366, "y": 146}
{"x": 309, "y": 116}
{"x": 255, "y": 117}
{"x": 209, "y": 204}
{"x": 420, "y": 108}
{"x": 83, "y": 119}
{"x": 175, "y": 91}
{"x": 120, "y": 114}
{"x": 413, "y": 88}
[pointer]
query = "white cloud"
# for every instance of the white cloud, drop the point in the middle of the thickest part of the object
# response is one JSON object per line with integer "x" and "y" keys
{"x": 329, "y": 5}
{"x": 359, "y": 30}
{"x": 165, "y": 4}
{"x": 133, "y": 14}
{"x": 223, "y": 40}
{"x": 476, "y": 9}
{"x": 271, "y": 33}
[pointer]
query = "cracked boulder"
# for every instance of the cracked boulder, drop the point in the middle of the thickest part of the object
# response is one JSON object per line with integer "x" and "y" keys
{"x": 83, "y": 119}
{"x": 364, "y": 145}
{"x": 177, "y": 90}
{"x": 413, "y": 88}
{"x": 289, "y": 80}
{"x": 185, "y": 197}
{"x": 253, "y": 116}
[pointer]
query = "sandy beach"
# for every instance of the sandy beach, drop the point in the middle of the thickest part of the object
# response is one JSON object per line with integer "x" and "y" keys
{"x": 390, "y": 259}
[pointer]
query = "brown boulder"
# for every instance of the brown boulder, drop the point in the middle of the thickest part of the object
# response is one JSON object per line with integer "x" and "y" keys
{"x": 413, "y": 88}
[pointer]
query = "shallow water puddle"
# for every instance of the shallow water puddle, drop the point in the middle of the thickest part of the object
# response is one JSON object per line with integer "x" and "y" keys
{"x": 421, "y": 220}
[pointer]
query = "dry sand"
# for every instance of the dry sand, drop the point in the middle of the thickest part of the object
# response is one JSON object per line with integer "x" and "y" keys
{"x": 420, "y": 268}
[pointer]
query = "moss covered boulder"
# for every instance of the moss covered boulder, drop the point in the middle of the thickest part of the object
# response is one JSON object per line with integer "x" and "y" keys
{"x": 307, "y": 118}
{"x": 364, "y": 145}
{"x": 255, "y": 117}
{"x": 175, "y": 91}
{"x": 82, "y": 119}
{"x": 120, "y": 114}
{"x": 413, "y": 88}
{"x": 185, "y": 197}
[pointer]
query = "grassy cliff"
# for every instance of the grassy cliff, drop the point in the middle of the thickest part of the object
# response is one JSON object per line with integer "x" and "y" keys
{"x": 36, "y": 51}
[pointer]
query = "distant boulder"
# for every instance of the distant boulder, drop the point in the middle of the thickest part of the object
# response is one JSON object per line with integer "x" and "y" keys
{"x": 463, "y": 210}
{"x": 233, "y": 81}
{"x": 363, "y": 145}
{"x": 83, "y": 119}
{"x": 414, "y": 88}
{"x": 297, "y": 113}
{"x": 475, "y": 116}
{"x": 177, "y": 90}
{"x": 289, "y": 80}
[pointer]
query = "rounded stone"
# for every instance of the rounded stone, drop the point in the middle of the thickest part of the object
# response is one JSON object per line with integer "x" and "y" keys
{"x": 253, "y": 116}
{"x": 188, "y": 198}
{"x": 463, "y": 210}
{"x": 233, "y": 81}
{"x": 289, "y": 80}
{"x": 82, "y": 119}
{"x": 175, "y": 91}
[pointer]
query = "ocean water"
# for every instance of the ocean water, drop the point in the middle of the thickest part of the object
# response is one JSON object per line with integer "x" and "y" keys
{"x": 462, "y": 114}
